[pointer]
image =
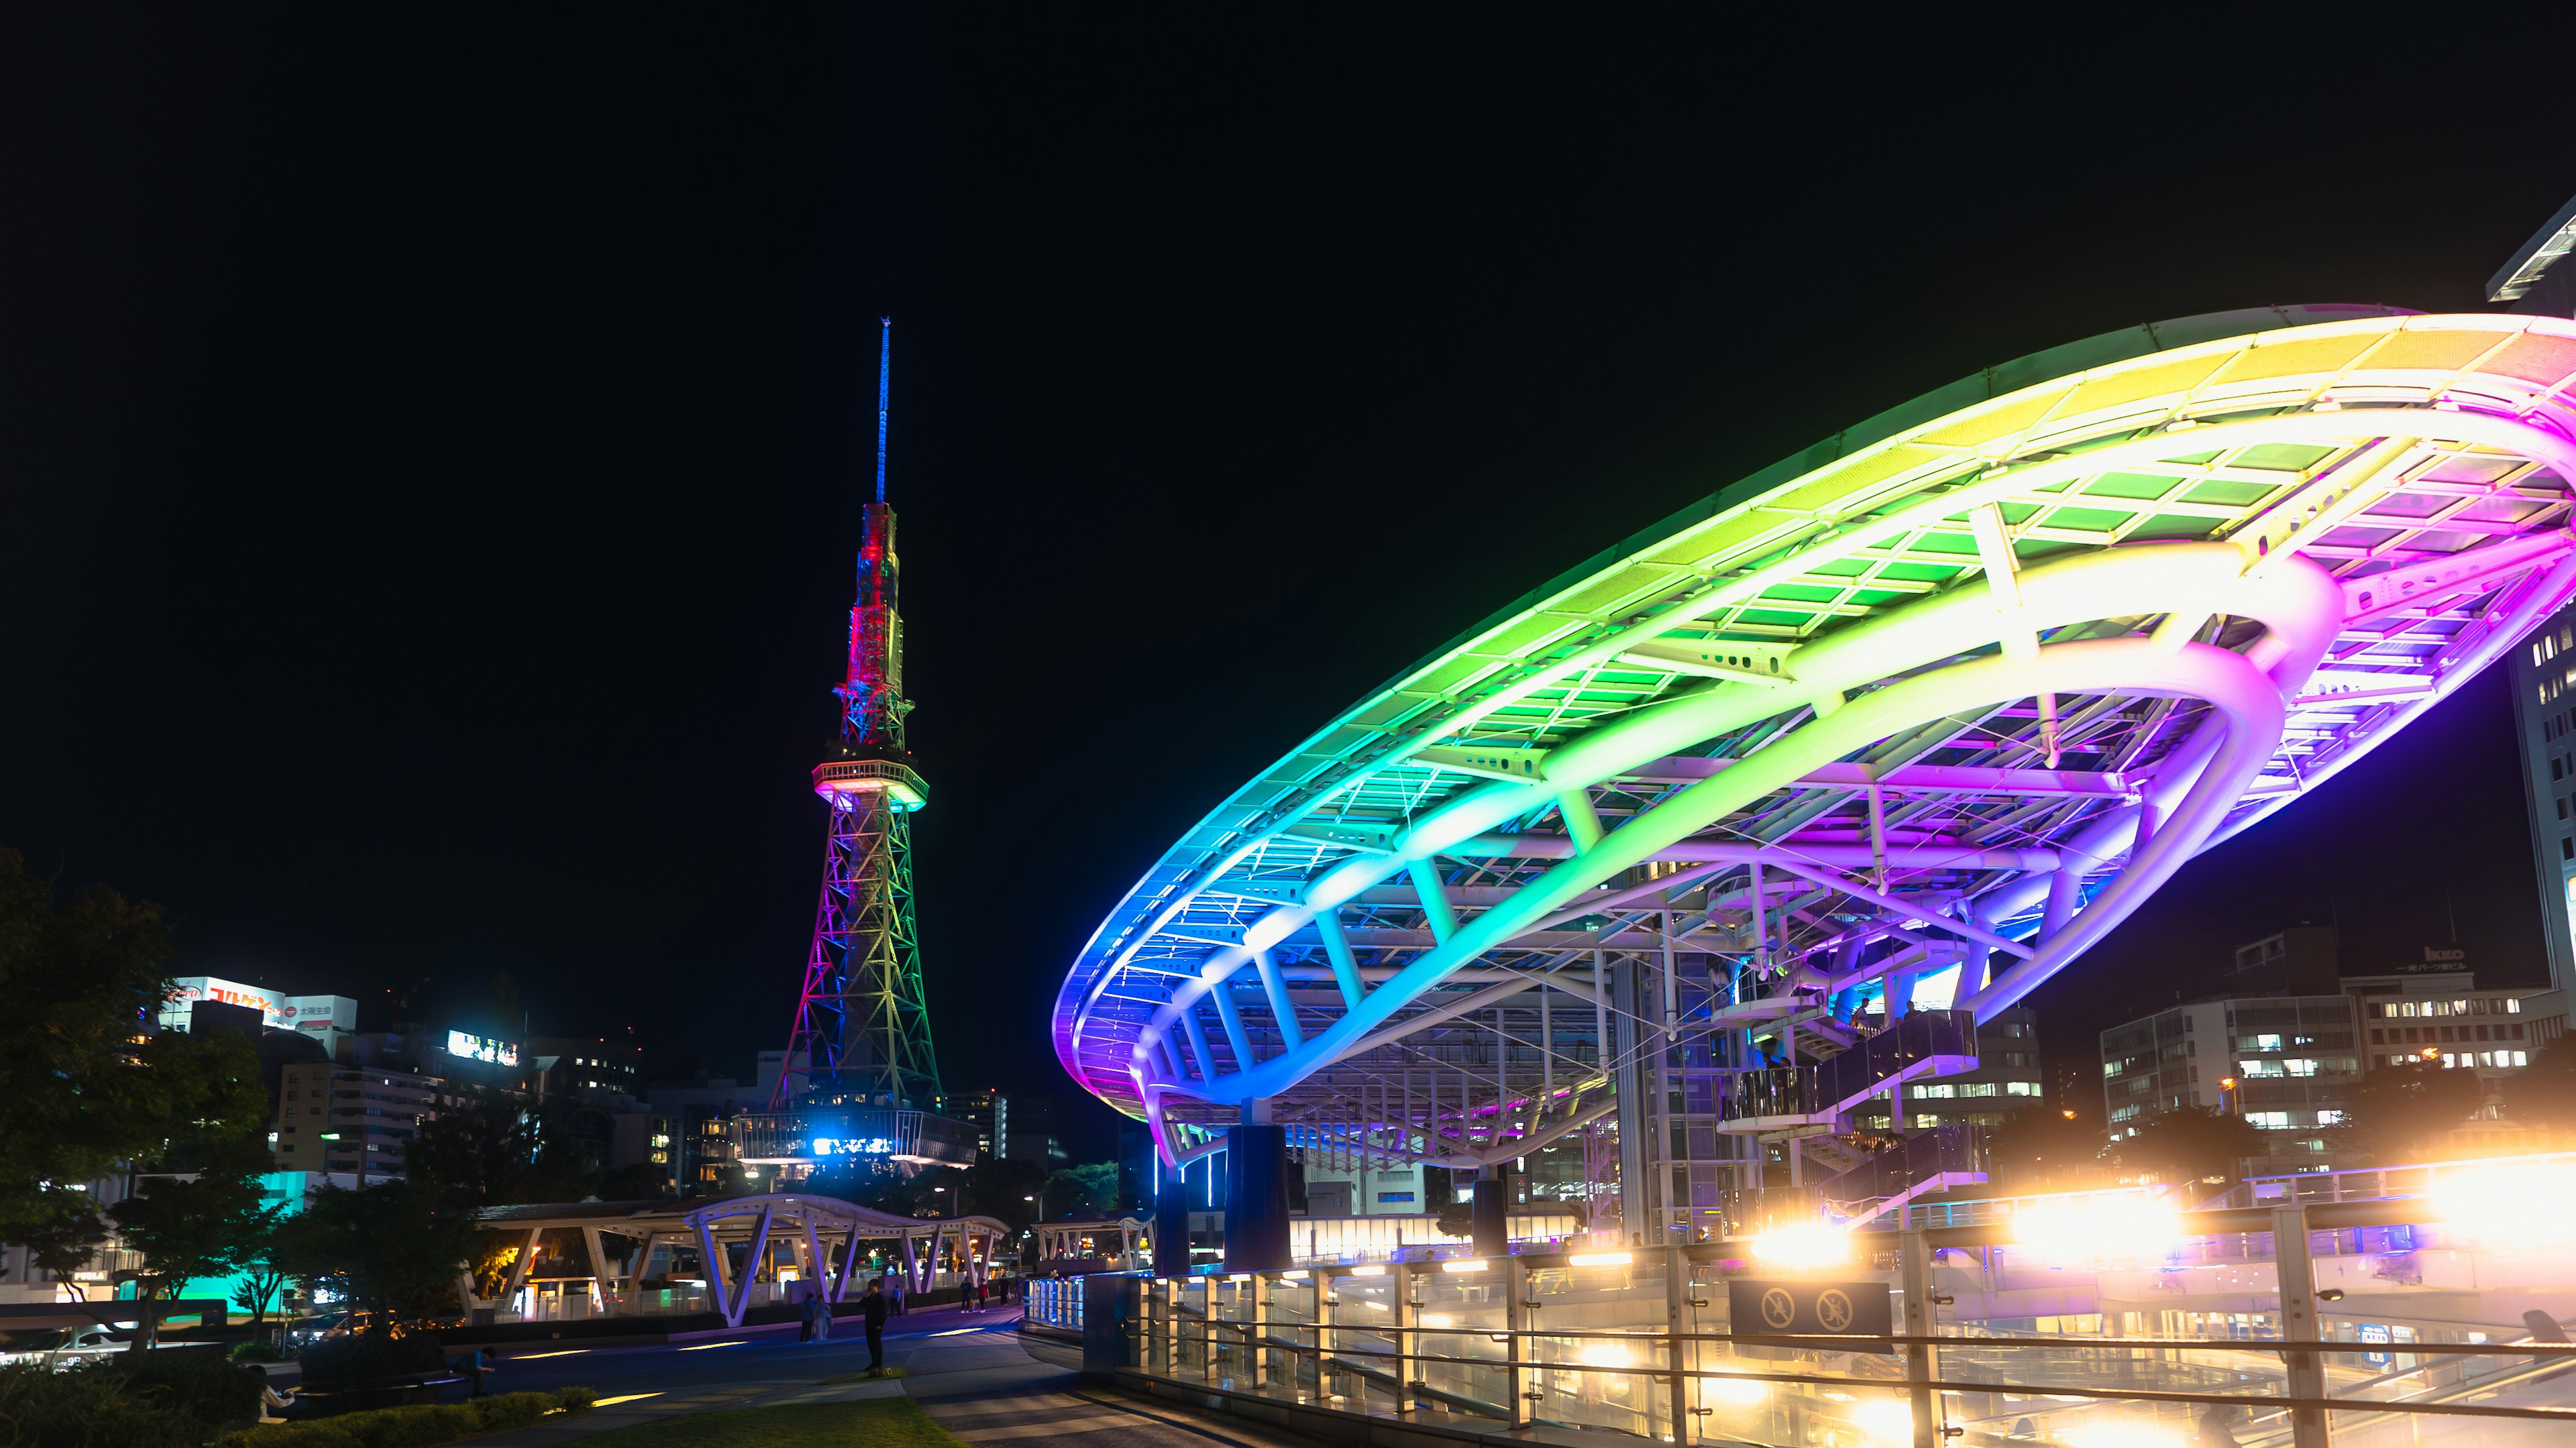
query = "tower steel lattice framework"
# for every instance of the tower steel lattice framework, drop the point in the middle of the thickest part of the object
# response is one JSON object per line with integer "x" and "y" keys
{"x": 862, "y": 1032}
{"x": 1663, "y": 854}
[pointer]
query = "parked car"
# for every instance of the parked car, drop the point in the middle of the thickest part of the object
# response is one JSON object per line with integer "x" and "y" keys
{"x": 62, "y": 1347}
{"x": 314, "y": 1329}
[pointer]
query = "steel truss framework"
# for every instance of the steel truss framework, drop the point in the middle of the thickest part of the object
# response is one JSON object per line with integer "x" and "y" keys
{"x": 1959, "y": 687}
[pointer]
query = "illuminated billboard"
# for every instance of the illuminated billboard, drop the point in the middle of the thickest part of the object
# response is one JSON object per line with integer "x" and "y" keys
{"x": 479, "y": 1048}
{"x": 316, "y": 1015}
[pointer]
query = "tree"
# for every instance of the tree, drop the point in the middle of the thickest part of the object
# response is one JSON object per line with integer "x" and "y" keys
{"x": 2400, "y": 1113}
{"x": 492, "y": 1150}
{"x": 2194, "y": 1144}
{"x": 636, "y": 1182}
{"x": 190, "y": 1227}
{"x": 261, "y": 1275}
{"x": 393, "y": 1248}
{"x": 86, "y": 1087}
{"x": 1091, "y": 1188}
{"x": 2545, "y": 1091}
{"x": 65, "y": 1233}
{"x": 2046, "y": 1149}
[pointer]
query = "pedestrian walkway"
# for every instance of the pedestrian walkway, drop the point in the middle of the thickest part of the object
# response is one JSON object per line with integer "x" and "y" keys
{"x": 656, "y": 1406}
{"x": 983, "y": 1383}
{"x": 995, "y": 1387}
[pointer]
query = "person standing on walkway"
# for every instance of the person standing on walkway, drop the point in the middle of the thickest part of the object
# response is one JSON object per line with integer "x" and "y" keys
{"x": 901, "y": 1280}
{"x": 873, "y": 1308}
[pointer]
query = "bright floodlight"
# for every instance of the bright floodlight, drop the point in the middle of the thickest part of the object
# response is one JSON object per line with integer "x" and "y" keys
{"x": 1885, "y": 1422}
{"x": 2096, "y": 1230}
{"x": 2509, "y": 1204}
{"x": 2121, "y": 1433}
{"x": 1928, "y": 708}
{"x": 1800, "y": 1246}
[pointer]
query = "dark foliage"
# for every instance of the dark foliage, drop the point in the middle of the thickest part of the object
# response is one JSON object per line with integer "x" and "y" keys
{"x": 392, "y": 1247}
{"x": 367, "y": 1357}
{"x": 85, "y": 1089}
{"x": 2400, "y": 1113}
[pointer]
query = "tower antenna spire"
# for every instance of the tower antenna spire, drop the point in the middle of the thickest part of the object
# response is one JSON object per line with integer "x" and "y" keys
{"x": 885, "y": 372}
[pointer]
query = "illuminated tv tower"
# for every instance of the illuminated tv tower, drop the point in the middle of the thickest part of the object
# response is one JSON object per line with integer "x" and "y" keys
{"x": 862, "y": 1033}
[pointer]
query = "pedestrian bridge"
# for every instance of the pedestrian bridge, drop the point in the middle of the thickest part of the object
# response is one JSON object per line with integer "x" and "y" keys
{"x": 748, "y": 1251}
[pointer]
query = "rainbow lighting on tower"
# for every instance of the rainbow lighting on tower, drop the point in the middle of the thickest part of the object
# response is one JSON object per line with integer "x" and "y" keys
{"x": 862, "y": 1031}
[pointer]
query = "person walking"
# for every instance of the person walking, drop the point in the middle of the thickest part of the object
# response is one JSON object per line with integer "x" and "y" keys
{"x": 805, "y": 1321}
{"x": 873, "y": 1308}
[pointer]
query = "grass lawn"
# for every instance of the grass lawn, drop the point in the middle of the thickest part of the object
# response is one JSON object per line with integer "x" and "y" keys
{"x": 863, "y": 1377}
{"x": 867, "y": 1423}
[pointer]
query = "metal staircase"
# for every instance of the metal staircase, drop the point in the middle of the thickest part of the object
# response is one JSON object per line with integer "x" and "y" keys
{"x": 1784, "y": 1098}
{"x": 1932, "y": 1160}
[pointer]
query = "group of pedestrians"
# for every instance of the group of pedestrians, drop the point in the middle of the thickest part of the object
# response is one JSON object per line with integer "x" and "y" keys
{"x": 978, "y": 1290}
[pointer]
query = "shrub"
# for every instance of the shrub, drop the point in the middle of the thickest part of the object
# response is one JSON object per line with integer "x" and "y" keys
{"x": 198, "y": 1384}
{"x": 422, "y": 1426}
{"x": 365, "y": 1357}
{"x": 85, "y": 1408}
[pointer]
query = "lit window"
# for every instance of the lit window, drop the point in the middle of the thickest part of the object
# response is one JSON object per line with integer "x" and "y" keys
{"x": 2268, "y": 1120}
{"x": 2329, "y": 1118}
{"x": 2021, "y": 1088}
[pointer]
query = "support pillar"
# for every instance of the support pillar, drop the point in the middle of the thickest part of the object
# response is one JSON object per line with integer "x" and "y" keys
{"x": 1172, "y": 1227}
{"x": 1406, "y": 1347}
{"x": 1491, "y": 1211}
{"x": 1914, "y": 1266}
{"x": 2298, "y": 1280}
{"x": 1256, "y": 1199}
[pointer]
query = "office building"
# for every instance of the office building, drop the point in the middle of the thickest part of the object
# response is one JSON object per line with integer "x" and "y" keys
{"x": 572, "y": 1065}
{"x": 347, "y": 1117}
{"x": 326, "y": 1018}
{"x": 2446, "y": 1019}
{"x": 989, "y": 1112}
{"x": 2544, "y": 668}
{"x": 2283, "y": 1063}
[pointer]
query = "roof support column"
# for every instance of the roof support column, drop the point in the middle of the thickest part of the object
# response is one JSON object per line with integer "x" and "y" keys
{"x": 1436, "y": 909}
{"x": 1282, "y": 1010}
{"x": 1232, "y": 1019}
{"x": 1337, "y": 949}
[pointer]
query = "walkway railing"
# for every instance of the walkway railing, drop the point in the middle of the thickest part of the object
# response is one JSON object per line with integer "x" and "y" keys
{"x": 1685, "y": 1346}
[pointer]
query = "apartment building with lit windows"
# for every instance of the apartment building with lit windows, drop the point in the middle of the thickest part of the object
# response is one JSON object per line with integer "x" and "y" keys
{"x": 355, "y": 1119}
{"x": 2448, "y": 1020}
{"x": 2283, "y": 1063}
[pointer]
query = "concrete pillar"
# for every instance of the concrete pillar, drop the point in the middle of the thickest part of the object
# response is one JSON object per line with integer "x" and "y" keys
{"x": 1256, "y": 1199}
{"x": 1491, "y": 1209}
{"x": 1172, "y": 1227}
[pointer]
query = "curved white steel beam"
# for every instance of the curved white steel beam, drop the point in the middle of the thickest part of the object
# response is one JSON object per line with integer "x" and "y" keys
{"x": 2396, "y": 402}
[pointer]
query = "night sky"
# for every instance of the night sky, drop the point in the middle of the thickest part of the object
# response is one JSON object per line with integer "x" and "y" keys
{"x": 432, "y": 443}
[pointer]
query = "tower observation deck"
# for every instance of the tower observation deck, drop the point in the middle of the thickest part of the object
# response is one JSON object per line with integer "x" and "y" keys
{"x": 862, "y": 1031}
{"x": 1692, "y": 863}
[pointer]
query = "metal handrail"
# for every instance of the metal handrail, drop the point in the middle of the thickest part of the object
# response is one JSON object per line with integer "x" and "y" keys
{"x": 1883, "y": 1346}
